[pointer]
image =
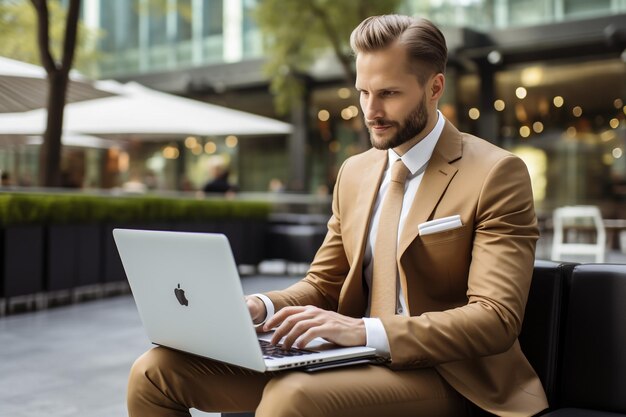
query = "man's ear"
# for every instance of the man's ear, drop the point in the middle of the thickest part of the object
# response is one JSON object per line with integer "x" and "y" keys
{"x": 436, "y": 86}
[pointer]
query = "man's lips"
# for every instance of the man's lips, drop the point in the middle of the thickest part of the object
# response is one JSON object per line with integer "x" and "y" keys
{"x": 380, "y": 129}
{"x": 379, "y": 125}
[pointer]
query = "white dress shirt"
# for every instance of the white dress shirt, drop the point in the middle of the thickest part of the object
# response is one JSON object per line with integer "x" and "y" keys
{"x": 416, "y": 159}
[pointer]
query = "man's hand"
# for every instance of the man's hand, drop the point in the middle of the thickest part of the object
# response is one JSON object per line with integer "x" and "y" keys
{"x": 300, "y": 325}
{"x": 256, "y": 308}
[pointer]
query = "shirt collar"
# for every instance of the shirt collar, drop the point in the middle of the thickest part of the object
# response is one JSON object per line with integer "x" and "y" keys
{"x": 418, "y": 156}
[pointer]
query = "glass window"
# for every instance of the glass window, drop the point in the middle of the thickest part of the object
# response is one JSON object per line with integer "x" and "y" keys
{"x": 127, "y": 25}
{"x": 119, "y": 21}
{"x": 213, "y": 12}
{"x": 157, "y": 25}
{"x": 184, "y": 20}
{"x": 107, "y": 24}
{"x": 487, "y": 14}
{"x": 585, "y": 7}
{"x": 252, "y": 38}
{"x": 530, "y": 12}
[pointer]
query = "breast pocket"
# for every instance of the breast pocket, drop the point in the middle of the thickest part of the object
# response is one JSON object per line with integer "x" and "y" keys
{"x": 440, "y": 263}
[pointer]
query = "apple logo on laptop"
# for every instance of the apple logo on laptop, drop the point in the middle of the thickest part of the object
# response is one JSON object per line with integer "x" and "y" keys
{"x": 180, "y": 296}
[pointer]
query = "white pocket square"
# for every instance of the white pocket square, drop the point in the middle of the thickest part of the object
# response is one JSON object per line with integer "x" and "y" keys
{"x": 439, "y": 225}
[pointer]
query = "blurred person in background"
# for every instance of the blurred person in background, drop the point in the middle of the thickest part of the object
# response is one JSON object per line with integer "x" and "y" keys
{"x": 276, "y": 186}
{"x": 219, "y": 173}
{"x": 134, "y": 184}
{"x": 5, "y": 179}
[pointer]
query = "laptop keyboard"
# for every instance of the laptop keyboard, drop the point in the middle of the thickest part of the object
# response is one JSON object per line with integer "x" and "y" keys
{"x": 272, "y": 352}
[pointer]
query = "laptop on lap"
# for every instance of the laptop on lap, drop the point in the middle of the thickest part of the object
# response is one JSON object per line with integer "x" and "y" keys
{"x": 189, "y": 296}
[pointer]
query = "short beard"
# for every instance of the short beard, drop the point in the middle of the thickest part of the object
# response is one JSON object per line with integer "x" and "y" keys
{"x": 413, "y": 125}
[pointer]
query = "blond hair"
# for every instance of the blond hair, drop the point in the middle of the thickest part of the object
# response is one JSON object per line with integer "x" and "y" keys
{"x": 424, "y": 43}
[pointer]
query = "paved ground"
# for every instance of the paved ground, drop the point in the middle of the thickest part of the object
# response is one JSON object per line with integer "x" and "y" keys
{"x": 73, "y": 361}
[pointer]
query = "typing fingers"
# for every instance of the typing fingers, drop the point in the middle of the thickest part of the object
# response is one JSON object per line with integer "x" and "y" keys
{"x": 335, "y": 328}
{"x": 287, "y": 322}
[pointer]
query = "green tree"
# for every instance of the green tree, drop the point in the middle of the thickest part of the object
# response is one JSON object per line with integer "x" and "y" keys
{"x": 44, "y": 29}
{"x": 18, "y": 35}
{"x": 296, "y": 32}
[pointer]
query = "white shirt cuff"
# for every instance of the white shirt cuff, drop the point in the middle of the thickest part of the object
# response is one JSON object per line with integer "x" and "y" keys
{"x": 375, "y": 336}
{"x": 269, "y": 308}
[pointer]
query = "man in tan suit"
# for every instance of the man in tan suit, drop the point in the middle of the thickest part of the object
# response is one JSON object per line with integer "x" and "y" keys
{"x": 440, "y": 290}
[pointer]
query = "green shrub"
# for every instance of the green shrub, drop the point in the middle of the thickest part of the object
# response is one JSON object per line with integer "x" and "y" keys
{"x": 22, "y": 208}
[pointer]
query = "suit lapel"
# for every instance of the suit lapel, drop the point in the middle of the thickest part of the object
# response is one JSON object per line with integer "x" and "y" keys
{"x": 438, "y": 175}
{"x": 353, "y": 298}
{"x": 365, "y": 200}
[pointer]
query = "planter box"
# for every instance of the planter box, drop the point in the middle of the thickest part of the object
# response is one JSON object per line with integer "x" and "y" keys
{"x": 23, "y": 258}
{"x": 89, "y": 254}
{"x": 61, "y": 257}
{"x": 73, "y": 256}
{"x": 58, "y": 242}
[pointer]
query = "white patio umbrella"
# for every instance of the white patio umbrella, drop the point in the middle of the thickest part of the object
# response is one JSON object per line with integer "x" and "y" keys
{"x": 67, "y": 139}
{"x": 144, "y": 113}
{"x": 24, "y": 87}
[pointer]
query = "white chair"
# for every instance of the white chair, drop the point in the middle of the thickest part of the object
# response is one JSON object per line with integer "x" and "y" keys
{"x": 572, "y": 216}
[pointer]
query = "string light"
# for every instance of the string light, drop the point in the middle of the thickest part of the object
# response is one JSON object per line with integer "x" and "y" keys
{"x": 231, "y": 141}
{"x": 210, "y": 147}
{"x": 191, "y": 142}
{"x": 323, "y": 115}
{"x": 558, "y": 101}
{"x": 524, "y": 131}
{"x": 170, "y": 152}
{"x": 344, "y": 93}
{"x": 617, "y": 153}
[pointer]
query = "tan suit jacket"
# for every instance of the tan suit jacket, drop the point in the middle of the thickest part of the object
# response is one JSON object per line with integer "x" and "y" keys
{"x": 466, "y": 288}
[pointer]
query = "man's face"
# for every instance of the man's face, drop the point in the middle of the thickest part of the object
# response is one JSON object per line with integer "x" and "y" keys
{"x": 393, "y": 101}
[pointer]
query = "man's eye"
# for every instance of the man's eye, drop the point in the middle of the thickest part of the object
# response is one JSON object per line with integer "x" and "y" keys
{"x": 387, "y": 93}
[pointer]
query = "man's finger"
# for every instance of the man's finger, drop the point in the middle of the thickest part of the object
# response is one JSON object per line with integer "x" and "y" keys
{"x": 305, "y": 338}
{"x": 280, "y": 316}
{"x": 298, "y": 329}
{"x": 287, "y": 325}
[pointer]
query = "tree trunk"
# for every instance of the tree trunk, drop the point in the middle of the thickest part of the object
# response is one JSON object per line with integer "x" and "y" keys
{"x": 58, "y": 74}
{"x": 50, "y": 156}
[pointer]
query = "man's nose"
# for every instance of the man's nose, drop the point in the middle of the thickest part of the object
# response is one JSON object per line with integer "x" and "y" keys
{"x": 372, "y": 109}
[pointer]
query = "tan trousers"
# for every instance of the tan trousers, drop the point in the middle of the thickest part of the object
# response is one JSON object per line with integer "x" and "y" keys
{"x": 164, "y": 382}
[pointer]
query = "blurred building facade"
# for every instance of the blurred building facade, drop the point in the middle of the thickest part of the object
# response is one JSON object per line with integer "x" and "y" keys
{"x": 543, "y": 78}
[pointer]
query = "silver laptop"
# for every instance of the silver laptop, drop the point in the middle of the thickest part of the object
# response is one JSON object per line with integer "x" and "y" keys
{"x": 189, "y": 297}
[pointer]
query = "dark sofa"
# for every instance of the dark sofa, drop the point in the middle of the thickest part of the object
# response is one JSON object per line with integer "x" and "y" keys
{"x": 574, "y": 335}
{"x": 590, "y": 338}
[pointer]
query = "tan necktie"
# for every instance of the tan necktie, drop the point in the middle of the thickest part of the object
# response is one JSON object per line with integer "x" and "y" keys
{"x": 385, "y": 268}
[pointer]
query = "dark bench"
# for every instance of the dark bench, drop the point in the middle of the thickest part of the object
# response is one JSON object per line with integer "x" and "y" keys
{"x": 574, "y": 335}
{"x": 540, "y": 337}
{"x": 592, "y": 358}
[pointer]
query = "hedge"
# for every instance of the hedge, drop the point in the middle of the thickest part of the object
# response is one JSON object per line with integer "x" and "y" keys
{"x": 25, "y": 208}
